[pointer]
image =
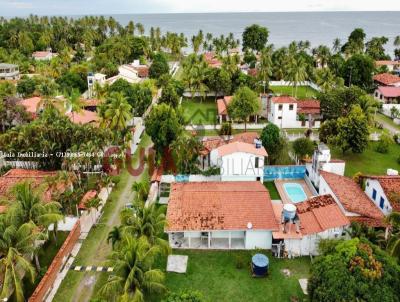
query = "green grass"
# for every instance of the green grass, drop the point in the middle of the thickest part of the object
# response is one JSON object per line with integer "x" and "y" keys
{"x": 214, "y": 273}
{"x": 199, "y": 112}
{"x": 381, "y": 117}
{"x": 303, "y": 92}
{"x": 369, "y": 162}
{"x": 97, "y": 236}
{"x": 46, "y": 255}
{"x": 273, "y": 192}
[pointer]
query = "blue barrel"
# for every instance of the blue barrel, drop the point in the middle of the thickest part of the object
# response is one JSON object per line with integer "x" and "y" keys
{"x": 260, "y": 264}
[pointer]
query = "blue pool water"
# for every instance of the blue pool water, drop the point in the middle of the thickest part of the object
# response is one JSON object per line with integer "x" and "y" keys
{"x": 295, "y": 192}
{"x": 284, "y": 172}
{"x": 182, "y": 178}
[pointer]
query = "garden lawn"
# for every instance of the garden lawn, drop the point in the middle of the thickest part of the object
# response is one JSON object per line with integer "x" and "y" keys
{"x": 303, "y": 92}
{"x": 369, "y": 162}
{"x": 214, "y": 273}
{"x": 273, "y": 191}
{"x": 199, "y": 112}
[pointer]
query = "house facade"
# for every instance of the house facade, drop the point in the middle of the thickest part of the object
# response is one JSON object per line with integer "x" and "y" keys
{"x": 318, "y": 218}
{"x": 9, "y": 71}
{"x": 240, "y": 161}
{"x": 43, "y": 55}
{"x": 391, "y": 65}
{"x": 387, "y": 94}
{"x": 288, "y": 112}
{"x": 220, "y": 215}
{"x": 383, "y": 192}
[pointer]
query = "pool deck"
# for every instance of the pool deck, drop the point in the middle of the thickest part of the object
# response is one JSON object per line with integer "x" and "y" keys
{"x": 284, "y": 197}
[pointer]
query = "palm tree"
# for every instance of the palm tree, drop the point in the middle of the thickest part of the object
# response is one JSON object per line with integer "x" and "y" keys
{"x": 297, "y": 72}
{"x": 325, "y": 79}
{"x": 337, "y": 45}
{"x": 322, "y": 55}
{"x": 140, "y": 28}
{"x": 396, "y": 41}
{"x": 133, "y": 278}
{"x": 147, "y": 221}
{"x": 264, "y": 68}
{"x": 393, "y": 246}
{"x": 73, "y": 102}
{"x": 115, "y": 236}
{"x": 17, "y": 244}
{"x": 118, "y": 112}
{"x": 142, "y": 190}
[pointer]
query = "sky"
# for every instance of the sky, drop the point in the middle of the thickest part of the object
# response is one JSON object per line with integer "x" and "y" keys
{"x": 82, "y": 7}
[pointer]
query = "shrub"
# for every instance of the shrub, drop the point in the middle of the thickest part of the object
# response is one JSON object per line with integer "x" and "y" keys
{"x": 303, "y": 147}
{"x": 226, "y": 129}
{"x": 240, "y": 261}
{"x": 384, "y": 143}
{"x": 184, "y": 296}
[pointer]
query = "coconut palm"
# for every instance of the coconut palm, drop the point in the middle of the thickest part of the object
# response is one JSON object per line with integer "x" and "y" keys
{"x": 325, "y": 79}
{"x": 133, "y": 278}
{"x": 297, "y": 72}
{"x": 264, "y": 68}
{"x": 140, "y": 28}
{"x": 118, "y": 112}
{"x": 337, "y": 45}
{"x": 322, "y": 55}
{"x": 393, "y": 246}
{"x": 396, "y": 41}
{"x": 115, "y": 236}
{"x": 142, "y": 190}
{"x": 17, "y": 244}
{"x": 73, "y": 102}
{"x": 148, "y": 221}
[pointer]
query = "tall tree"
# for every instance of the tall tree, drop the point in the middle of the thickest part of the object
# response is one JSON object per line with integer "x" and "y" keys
{"x": 118, "y": 112}
{"x": 255, "y": 37}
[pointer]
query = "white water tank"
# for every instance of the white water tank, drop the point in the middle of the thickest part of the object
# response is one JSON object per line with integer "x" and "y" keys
{"x": 289, "y": 211}
{"x": 392, "y": 172}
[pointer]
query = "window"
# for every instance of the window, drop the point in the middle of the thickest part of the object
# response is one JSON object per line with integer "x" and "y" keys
{"x": 279, "y": 117}
{"x": 257, "y": 163}
{"x": 291, "y": 107}
{"x": 280, "y": 107}
{"x": 373, "y": 194}
{"x": 381, "y": 203}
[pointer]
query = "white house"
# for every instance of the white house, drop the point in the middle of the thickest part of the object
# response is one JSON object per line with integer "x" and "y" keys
{"x": 44, "y": 55}
{"x": 220, "y": 215}
{"x": 92, "y": 79}
{"x": 322, "y": 161}
{"x": 317, "y": 218}
{"x": 387, "y": 94}
{"x": 240, "y": 161}
{"x": 9, "y": 71}
{"x": 383, "y": 191}
{"x": 391, "y": 65}
{"x": 351, "y": 199}
{"x": 132, "y": 73}
{"x": 288, "y": 112}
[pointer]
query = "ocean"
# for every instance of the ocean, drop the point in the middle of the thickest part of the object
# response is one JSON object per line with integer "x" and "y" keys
{"x": 317, "y": 27}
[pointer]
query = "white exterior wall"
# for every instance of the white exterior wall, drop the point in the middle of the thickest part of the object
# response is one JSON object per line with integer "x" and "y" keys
{"x": 287, "y": 118}
{"x": 128, "y": 74}
{"x": 386, "y": 108}
{"x": 225, "y": 234}
{"x": 308, "y": 245}
{"x": 370, "y": 186}
{"x": 238, "y": 166}
{"x": 258, "y": 239}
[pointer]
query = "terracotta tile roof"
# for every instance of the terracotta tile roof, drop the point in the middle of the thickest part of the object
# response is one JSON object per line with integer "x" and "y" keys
{"x": 15, "y": 176}
{"x": 31, "y": 104}
{"x": 92, "y": 102}
{"x": 351, "y": 196}
{"x": 241, "y": 147}
{"x": 42, "y": 54}
{"x": 83, "y": 117}
{"x": 371, "y": 222}
{"x": 284, "y": 99}
{"x": 390, "y": 185}
{"x": 316, "y": 215}
{"x": 157, "y": 173}
{"x": 143, "y": 71}
{"x": 386, "y": 62}
{"x": 222, "y": 105}
{"x": 386, "y": 78}
{"x": 252, "y": 72}
{"x": 203, "y": 206}
{"x": 212, "y": 60}
{"x": 389, "y": 91}
{"x": 87, "y": 197}
{"x": 319, "y": 214}
{"x": 309, "y": 106}
{"x": 214, "y": 142}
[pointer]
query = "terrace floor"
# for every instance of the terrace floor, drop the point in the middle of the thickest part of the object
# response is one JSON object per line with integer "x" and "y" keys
{"x": 284, "y": 197}
{"x": 178, "y": 241}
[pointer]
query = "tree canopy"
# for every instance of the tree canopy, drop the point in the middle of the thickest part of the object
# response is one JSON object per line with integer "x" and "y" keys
{"x": 255, "y": 37}
{"x": 245, "y": 103}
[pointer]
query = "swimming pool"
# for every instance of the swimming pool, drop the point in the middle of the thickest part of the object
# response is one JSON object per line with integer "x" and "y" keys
{"x": 295, "y": 192}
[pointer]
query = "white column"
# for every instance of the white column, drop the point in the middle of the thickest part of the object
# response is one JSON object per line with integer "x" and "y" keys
{"x": 230, "y": 239}
{"x": 190, "y": 241}
{"x": 209, "y": 239}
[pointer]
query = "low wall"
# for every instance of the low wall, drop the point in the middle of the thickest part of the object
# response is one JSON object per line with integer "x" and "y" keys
{"x": 189, "y": 178}
{"x": 48, "y": 279}
{"x": 287, "y": 83}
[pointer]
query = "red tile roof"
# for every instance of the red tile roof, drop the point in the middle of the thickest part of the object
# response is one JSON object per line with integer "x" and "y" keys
{"x": 83, "y": 117}
{"x": 15, "y": 176}
{"x": 386, "y": 62}
{"x": 390, "y": 185}
{"x": 309, "y": 106}
{"x": 389, "y": 91}
{"x": 222, "y": 105}
{"x": 87, "y": 197}
{"x": 42, "y": 54}
{"x": 204, "y": 206}
{"x": 319, "y": 214}
{"x": 351, "y": 196}
{"x": 92, "y": 102}
{"x": 212, "y": 60}
{"x": 284, "y": 99}
{"x": 31, "y": 104}
{"x": 241, "y": 147}
{"x": 214, "y": 142}
{"x": 143, "y": 71}
{"x": 386, "y": 78}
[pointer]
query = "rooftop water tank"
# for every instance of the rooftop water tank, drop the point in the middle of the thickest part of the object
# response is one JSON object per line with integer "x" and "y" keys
{"x": 259, "y": 265}
{"x": 258, "y": 143}
{"x": 289, "y": 211}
